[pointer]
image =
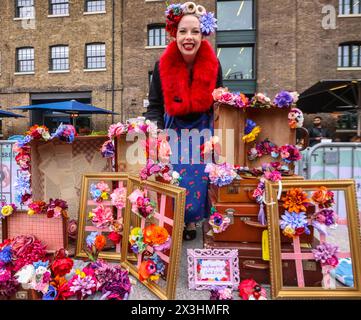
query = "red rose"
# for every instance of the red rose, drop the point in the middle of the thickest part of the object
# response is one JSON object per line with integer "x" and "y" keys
{"x": 61, "y": 267}
{"x": 115, "y": 237}
{"x": 299, "y": 231}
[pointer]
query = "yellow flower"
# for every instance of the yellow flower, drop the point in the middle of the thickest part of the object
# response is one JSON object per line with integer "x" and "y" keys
{"x": 90, "y": 215}
{"x": 80, "y": 273}
{"x": 252, "y": 135}
{"x": 289, "y": 232}
{"x": 104, "y": 196}
{"x": 7, "y": 210}
{"x": 154, "y": 277}
{"x": 31, "y": 212}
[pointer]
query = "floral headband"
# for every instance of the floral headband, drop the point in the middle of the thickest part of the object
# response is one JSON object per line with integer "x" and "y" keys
{"x": 175, "y": 12}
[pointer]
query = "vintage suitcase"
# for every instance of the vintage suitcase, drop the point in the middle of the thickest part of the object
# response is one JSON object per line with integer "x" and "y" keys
{"x": 251, "y": 264}
{"x": 242, "y": 190}
{"x": 244, "y": 222}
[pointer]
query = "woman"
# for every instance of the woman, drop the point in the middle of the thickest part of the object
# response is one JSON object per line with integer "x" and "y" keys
{"x": 180, "y": 96}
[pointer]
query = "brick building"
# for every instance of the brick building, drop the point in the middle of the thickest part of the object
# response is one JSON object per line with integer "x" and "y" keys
{"x": 263, "y": 46}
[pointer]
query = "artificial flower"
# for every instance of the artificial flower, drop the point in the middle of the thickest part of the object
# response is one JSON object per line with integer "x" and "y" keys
{"x": 217, "y": 93}
{"x": 284, "y": 99}
{"x": 50, "y": 294}
{"x": 115, "y": 237}
{"x": 107, "y": 149}
{"x": 26, "y": 276}
{"x": 136, "y": 240}
{"x": 37, "y": 207}
{"x": 208, "y": 23}
{"x": 296, "y": 200}
{"x": 220, "y": 175}
{"x": 146, "y": 269}
{"x": 295, "y": 118}
{"x": 326, "y": 253}
{"x": 249, "y": 288}
{"x": 61, "y": 265}
{"x": 65, "y": 132}
{"x": 221, "y": 294}
{"x": 228, "y": 98}
{"x": 251, "y": 131}
{"x": 141, "y": 205}
{"x": 260, "y": 100}
{"x": 7, "y": 210}
{"x": 273, "y": 176}
{"x": 326, "y": 216}
{"x": 218, "y": 222}
{"x": 118, "y": 197}
{"x": 57, "y": 208}
{"x": 116, "y": 130}
{"x": 100, "y": 242}
{"x": 72, "y": 229}
{"x": 5, "y": 255}
{"x": 294, "y": 224}
{"x": 8, "y": 283}
{"x": 82, "y": 286}
{"x": 154, "y": 234}
{"x": 101, "y": 216}
{"x": 323, "y": 197}
{"x": 289, "y": 153}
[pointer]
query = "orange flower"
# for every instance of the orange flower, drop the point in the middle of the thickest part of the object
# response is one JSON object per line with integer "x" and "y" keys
{"x": 296, "y": 200}
{"x": 100, "y": 242}
{"x": 155, "y": 235}
{"x": 321, "y": 195}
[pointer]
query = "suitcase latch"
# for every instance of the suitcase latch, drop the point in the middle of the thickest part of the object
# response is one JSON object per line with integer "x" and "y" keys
{"x": 245, "y": 218}
{"x": 230, "y": 214}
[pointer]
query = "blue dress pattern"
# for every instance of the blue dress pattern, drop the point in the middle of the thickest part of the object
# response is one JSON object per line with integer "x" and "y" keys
{"x": 194, "y": 179}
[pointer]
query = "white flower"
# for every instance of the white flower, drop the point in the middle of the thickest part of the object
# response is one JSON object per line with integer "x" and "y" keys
{"x": 26, "y": 276}
{"x": 175, "y": 175}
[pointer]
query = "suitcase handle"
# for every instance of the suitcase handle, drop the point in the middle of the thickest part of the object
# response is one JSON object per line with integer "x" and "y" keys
{"x": 255, "y": 224}
{"x": 250, "y": 264}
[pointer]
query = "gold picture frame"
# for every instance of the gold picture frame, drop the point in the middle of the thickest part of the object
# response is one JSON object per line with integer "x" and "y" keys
{"x": 351, "y": 225}
{"x": 85, "y": 206}
{"x": 174, "y": 214}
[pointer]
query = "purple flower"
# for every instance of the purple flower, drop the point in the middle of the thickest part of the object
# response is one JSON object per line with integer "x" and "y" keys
{"x": 108, "y": 149}
{"x": 208, "y": 23}
{"x": 51, "y": 294}
{"x": 5, "y": 255}
{"x": 8, "y": 283}
{"x": 326, "y": 253}
{"x": 294, "y": 220}
{"x": 283, "y": 100}
{"x": 85, "y": 286}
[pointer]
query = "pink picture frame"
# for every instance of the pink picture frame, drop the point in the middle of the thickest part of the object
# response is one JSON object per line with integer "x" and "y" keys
{"x": 209, "y": 268}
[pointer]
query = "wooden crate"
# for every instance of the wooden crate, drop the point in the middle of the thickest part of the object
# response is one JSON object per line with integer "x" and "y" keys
{"x": 57, "y": 168}
{"x": 232, "y": 146}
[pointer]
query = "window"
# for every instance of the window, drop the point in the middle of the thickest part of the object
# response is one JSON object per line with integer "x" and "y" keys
{"x": 59, "y": 58}
{"x": 235, "y": 15}
{"x": 95, "y": 56}
{"x": 349, "y": 55}
{"x": 24, "y": 9}
{"x": 348, "y": 7}
{"x": 25, "y": 59}
{"x": 156, "y": 35}
{"x": 94, "y": 5}
{"x": 237, "y": 62}
{"x": 59, "y": 7}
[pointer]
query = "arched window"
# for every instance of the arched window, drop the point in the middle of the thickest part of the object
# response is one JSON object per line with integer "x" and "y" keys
{"x": 349, "y": 55}
{"x": 156, "y": 35}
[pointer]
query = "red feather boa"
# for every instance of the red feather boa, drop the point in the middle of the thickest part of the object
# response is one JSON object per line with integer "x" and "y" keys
{"x": 179, "y": 97}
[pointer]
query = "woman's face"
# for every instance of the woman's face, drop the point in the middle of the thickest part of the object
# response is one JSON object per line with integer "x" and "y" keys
{"x": 189, "y": 37}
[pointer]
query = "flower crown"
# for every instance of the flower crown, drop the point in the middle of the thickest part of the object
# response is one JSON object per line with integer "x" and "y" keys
{"x": 175, "y": 12}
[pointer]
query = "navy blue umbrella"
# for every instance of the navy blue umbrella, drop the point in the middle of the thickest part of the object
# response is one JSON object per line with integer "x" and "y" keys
{"x": 71, "y": 106}
{"x": 7, "y": 114}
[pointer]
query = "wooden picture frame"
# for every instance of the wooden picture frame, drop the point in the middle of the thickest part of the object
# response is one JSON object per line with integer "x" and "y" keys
{"x": 346, "y": 236}
{"x": 45, "y": 229}
{"x": 113, "y": 180}
{"x": 170, "y": 215}
{"x": 221, "y": 262}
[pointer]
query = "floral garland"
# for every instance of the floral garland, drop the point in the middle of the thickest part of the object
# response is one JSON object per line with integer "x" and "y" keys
{"x": 175, "y": 12}
{"x": 283, "y": 99}
{"x": 54, "y": 209}
{"x": 142, "y": 206}
{"x": 218, "y": 222}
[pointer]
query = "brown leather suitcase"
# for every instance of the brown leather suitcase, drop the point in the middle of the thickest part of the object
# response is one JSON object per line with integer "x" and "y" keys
{"x": 242, "y": 190}
{"x": 251, "y": 264}
{"x": 244, "y": 225}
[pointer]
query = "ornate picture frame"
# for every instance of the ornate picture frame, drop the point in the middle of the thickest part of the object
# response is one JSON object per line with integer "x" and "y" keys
{"x": 314, "y": 276}
{"x": 169, "y": 201}
{"x": 113, "y": 180}
{"x": 220, "y": 265}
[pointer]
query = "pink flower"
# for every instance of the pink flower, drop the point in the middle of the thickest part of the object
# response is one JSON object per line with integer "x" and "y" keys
{"x": 228, "y": 98}
{"x": 321, "y": 218}
{"x": 164, "y": 149}
{"x": 333, "y": 261}
{"x": 103, "y": 187}
{"x": 217, "y": 93}
{"x": 115, "y": 130}
{"x": 103, "y": 217}
{"x": 119, "y": 197}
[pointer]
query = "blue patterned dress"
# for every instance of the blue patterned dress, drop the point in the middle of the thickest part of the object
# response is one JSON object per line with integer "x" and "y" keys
{"x": 194, "y": 179}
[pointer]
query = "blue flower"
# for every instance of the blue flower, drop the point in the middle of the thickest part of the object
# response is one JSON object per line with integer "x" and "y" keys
{"x": 95, "y": 193}
{"x": 208, "y": 23}
{"x": 250, "y": 125}
{"x": 176, "y": 9}
{"x": 158, "y": 262}
{"x": 23, "y": 142}
{"x": 91, "y": 238}
{"x": 5, "y": 255}
{"x": 294, "y": 220}
{"x": 51, "y": 294}
{"x": 40, "y": 263}
{"x": 283, "y": 100}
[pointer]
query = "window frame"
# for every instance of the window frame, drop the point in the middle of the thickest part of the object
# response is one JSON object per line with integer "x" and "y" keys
{"x": 86, "y": 2}
{"x": 51, "y": 4}
{"x": 242, "y": 45}
{"x": 51, "y": 59}
{"x": 349, "y": 46}
{"x": 18, "y": 10}
{"x": 86, "y": 56}
{"x": 253, "y": 16}
{"x": 17, "y": 66}
{"x": 342, "y": 7}
{"x": 151, "y": 28}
